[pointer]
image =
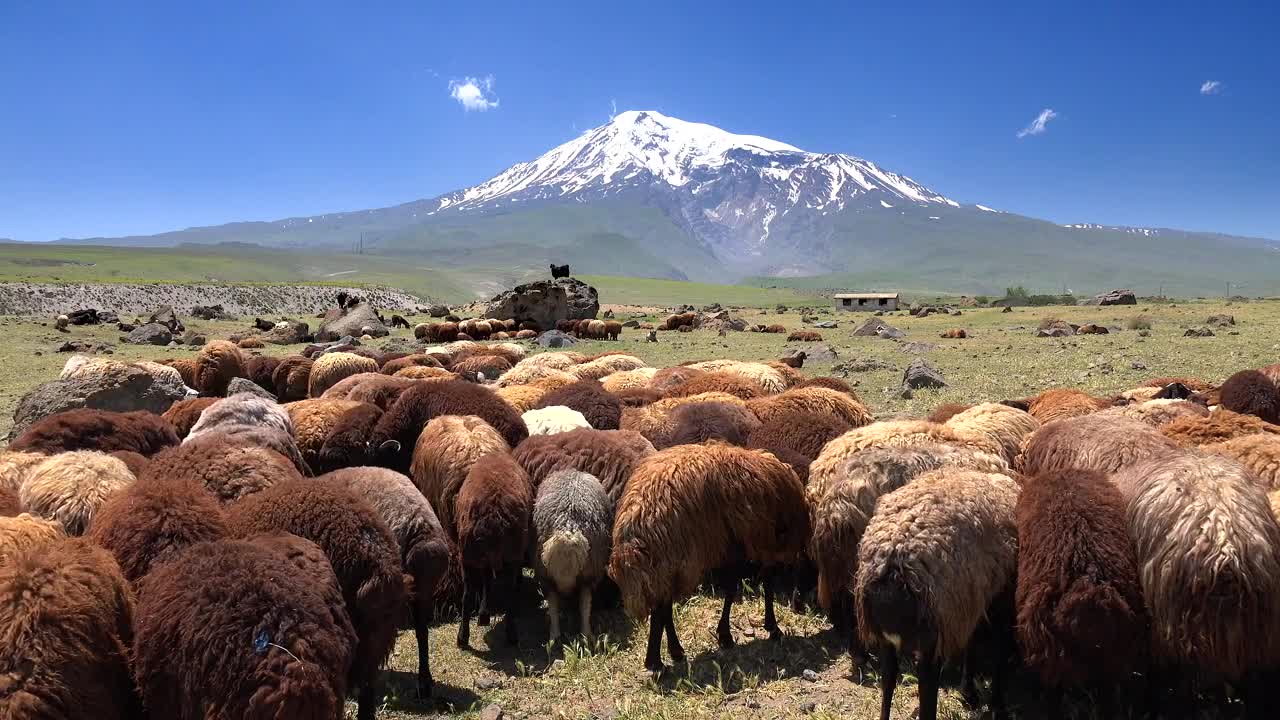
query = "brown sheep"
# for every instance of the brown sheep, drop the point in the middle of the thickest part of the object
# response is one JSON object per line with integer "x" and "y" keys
{"x": 612, "y": 330}
{"x": 1060, "y": 403}
{"x": 1103, "y": 444}
{"x": 666, "y": 379}
{"x": 804, "y": 432}
{"x": 685, "y": 328}
{"x": 290, "y": 378}
{"x": 1158, "y": 412}
{"x": 946, "y": 411}
{"x": 714, "y": 507}
{"x": 1220, "y": 425}
{"x": 791, "y": 377}
{"x": 397, "y": 432}
{"x": 152, "y": 521}
{"x": 954, "y": 334}
{"x": 1251, "y": 393}
{"x": 717, "y": 382}
{"x": 218, "y": 363}
{"x": 251, "y": 343}
{"x": 1259, "y": 453}
{"x": 362, "y": 551}
{"x": 312, "y": 422}
{"x": 186, "y": 368}
{"x": 66, "y": 617}
{"x": 812, "y": 399}
{"x": 10, "y": 503}
{"x": 329, "y": 368}
{"x": 698, "y": 422}
{"x": 830, "y": 383}
{"x": 227, "y": 468}
{"x": 774, "y": 329}
{"x": 437, "y": 332}
{"x": 675, "y": 322}
{"x": 341, "y": 389}
{"x": 804, "y": 336}
{"x": 24, "y": 531}
{"x": 494, "y": 507}
{"x": 998, "y": 427}
{"x": 607, "y": 455}
{"x": 424, "y": 373}
{"x": 443, "y": 455}
{"x": 382, "y": 392}
{"x": 520, "y": 397}
{"x": 391, "y": 367}
{"x": 102, "y": 430}
{"x": 481, "y": 368}
{"x": 259, "y": 369}
{"x": 602, "y": 409}
{"x": 638, "y": 397}
{"x": 653, "y": 421}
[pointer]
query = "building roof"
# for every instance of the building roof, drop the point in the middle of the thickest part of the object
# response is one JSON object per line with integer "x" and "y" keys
{"x": 866, "y": 296}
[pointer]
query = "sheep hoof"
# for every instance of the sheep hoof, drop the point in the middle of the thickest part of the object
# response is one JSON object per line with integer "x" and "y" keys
{"x": 426, "y": 688}
{"x": 726, "y": 641}
{"x": 483, "y": 621}
{"x": 776, "y": 635}
{"x": 655, "y": 668}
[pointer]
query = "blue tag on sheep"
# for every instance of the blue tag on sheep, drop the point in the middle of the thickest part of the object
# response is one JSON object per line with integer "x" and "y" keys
{"x": 261, "y": 641}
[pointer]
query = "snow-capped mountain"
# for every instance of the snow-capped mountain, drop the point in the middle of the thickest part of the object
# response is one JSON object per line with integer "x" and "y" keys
{"x": 727, "y": 189}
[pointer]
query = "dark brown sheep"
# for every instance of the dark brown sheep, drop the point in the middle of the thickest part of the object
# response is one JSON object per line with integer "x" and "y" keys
{"x": 601, "y": 408}
{"x": 218, "y": 363}
{"x": 347, "y": 444}
{"x": 362, "y": 551}
{"x": 804, "y": 336}
{"x": 481, "y": 368}
{"x": 1103, "y": 443}
{"x": 775, "y": 329}
{"x": 638, "y": 397}
{"x": 668, "y": 378}
{"x": 391, "y": 367}
{"x": 260, "y": 368}
{"x": 803, "y": 433}
{"x": 398, "y": 430}
{"x": 291, "y": 377}
{"x": 493, "y": 515}
{"x": 607, "y": 455}
{"x": 153, "y": 521}
{"x": 1081, "y": 621}
{"x": 698, "y": 422}
{"x": 135, "y": 462}
{"x": 735, "y": 385}
{"x": 228, "y": 468}
{"x": 183, "y": 414}
{"x": 102, "y": 430}
{"x": 1251, "y": 393}
{"x": 66, "y": 617}
{"x": 246, "y": 627}
{"x": 612, "y": 329}
{"x": 946, "y": 411}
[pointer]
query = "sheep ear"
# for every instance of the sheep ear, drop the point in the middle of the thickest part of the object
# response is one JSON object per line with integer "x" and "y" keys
{"x": 390, "y": 446}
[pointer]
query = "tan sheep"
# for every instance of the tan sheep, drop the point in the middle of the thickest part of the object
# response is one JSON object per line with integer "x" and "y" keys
{"x": 332, "y": 367}
{"x": 445, "y": 452}
{"x": 70, "y": 487}
{"x": 1003, "y": 427}
{"x": 812, "y": 399}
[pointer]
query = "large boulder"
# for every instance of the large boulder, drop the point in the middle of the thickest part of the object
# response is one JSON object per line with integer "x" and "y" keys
{"x": 357, "y": 320}
{"x": 820, "y": 353}
{"x": 167, "y": 317}
{"x": 211, "y": 312}
{"x": 555, "y": 339}
{"x": 922, "y": 374}
{"x": 1115, "y": 297}
{"x": 875, "y": 327}
{"x": 149, "y": 334}
{"x": 545, "y": 302}
{"x": 245, "y": 386}
{"x": 438, "y": 310}
{"x": 287, "y": 332}
{"x": 120, "y": 387}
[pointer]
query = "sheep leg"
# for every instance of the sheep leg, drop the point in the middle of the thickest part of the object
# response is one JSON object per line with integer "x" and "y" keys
{"x": 968, "y": 681}
{"x": 464, "y": 625}
{"x": 929, "y": 671}
{"x": 653, "y": 654}
{"x": 584, "y": 610}
{"x": 889, "y": 672}
{"x": 673, "y": 643}
{"x": 770, "y": 620}
{"x": 513, "y": 603}
{"x": 482, "y": 619}
{"x": 724, "y": 633}
{"x": 367, "y": 702}
{"x": 553, "y": 614}
{"x": 423, "y": 615}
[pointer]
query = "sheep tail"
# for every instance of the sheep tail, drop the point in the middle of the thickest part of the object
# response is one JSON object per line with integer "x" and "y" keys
{"x": 564, "y": 555}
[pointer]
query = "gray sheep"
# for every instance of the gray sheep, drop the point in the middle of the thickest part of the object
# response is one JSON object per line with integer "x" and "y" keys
{"x": 572, "y": 523}
{"x": 243, "y": 409}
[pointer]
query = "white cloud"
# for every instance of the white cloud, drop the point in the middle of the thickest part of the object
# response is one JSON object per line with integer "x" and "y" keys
{"x": 1211, "y": 87}
{"x": 473, "y": 93}
{"x": 1038, "y": 125}
{"x": 613, "y": 108}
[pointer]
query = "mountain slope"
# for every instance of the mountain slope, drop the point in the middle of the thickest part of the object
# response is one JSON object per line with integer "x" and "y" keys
{"x": 651, "y": 195}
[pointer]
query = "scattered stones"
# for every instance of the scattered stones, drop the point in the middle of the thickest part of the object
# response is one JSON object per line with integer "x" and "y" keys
{"x": 631, "y": 324}
{"x": 287, "y": 332}
{"x": 194, "y": 339}
{"x": 149, "y": 334}
{"x": 1057, "y": 329}
{"x": 809, "y": 707}
{"x": 557, "y": 339}
{"x": 1137, "y": 365}
{"x": 859, "y": 365}
{"x": 1115, "y": 297}
{"x": 211, "y": 312}
{"x": 917, "y": 348}
{"x": 826, "y": 324}
{"x": 86, "y": 346}
{"x": 1220, "y": 321}
{"x": 1198, "y": 332}
{"x": 922, "y": 374}
{"x": 167, "y": 317}
{"x": 780, "y": 309}
{"x": 438, "y": 310}
{"x": 488, "y": 683}
{"x": 809, "y": 675}
{"x": 125, "y": 327}
{"x": 820, "y": 353}
{"x": 1144, "y": 333}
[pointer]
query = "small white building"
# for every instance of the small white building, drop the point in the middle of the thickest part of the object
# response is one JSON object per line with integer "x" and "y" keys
{"x": 865, "y": 301}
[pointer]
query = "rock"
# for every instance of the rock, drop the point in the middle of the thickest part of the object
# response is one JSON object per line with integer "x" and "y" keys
{"x": 85, "y": 346}
{"x": 488, "y": 683}
{"x": 1115, "y": 297}
{"x": 1198, "y": 332}
{"x": 753, "y": 704}
{"x": 241, "y": 385}
{"x": 545, "y": 302}
{"x": 712, "y": 308}
{"x": 107, "y": 317}
{"x": 492, "y": 712}
{"x": 166, "y": 317}
{"x": 631, "y": 324}
{"x": 917, "y": 348}
{"x": 780, "y": 309}
{"x": 353, "y": 320}
{"x": 438, "y": 311}
{"x": 1058, "y": 329}
{"x": 1007, "y": 309}
{"x": 888, "y": 332}
{"x": 400, "y": 345}
{"x": 922, "y": 374}
{"x": 809, "y": 707}
{"x": 827, "y": 325}
{"x": 858, "y": 365}
{"x": 149, "y": 334}
{"x": 1220, "y": 321}
{"x": 869, "y": 328}
{"x": 1144, "y": 333}
{"x": 194, "y": 339}
{"x": 125, "y": 327}
{"x": 820, "y": 353}
{"x": 1092, "y": 329}
{"x": 1137, "y": 365}
{"x": 116, "y": 386}
{"x": 288, "y": 332}
{"x": 555, "y": 339}
{"x": 88, "y": 316}
{"x": 809, "y": 676}
{"x": 211, "y": 312}
{"x": 314, "y": 350}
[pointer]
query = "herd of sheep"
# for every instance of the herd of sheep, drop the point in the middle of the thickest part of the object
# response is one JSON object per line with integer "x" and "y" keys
{"x": 253, "y": 556}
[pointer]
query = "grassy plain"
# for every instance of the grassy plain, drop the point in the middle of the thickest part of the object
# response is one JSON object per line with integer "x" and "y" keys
{"x": 757, "y": 679}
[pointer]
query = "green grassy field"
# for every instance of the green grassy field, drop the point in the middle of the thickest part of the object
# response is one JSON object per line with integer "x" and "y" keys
{"x": 758, "y": 678}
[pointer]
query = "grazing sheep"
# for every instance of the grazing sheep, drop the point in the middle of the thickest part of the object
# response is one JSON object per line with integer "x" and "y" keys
{"x": 1158, "y": 412}
{"x": 946, "y": 411}
{"x": 520, "y": 397}
{"x": 362, "y": 551}
{"x": 612, "y": 330}
{"x": 71, "y": 486}
{"x": 259, "y": 369}
{"x": 242, "y": 410}
{"x": 699, "y": 422}
{"x": 600, "y": 408}
{"x": 553, "y": 419}
{"x": 639, "y": 397}
{"x": 669, "y": 378}
{"x": 1260, "y": 454}
{"x": 1219, "y": 426}
{"x": 437, "y": 331}
{"x": 1060, "y": 403}
{"x": 291, "y": 377}
{"x": 694, "y": 509}
{"x": 153, "y": 521}
{"x": 186, "y": 368}
{"x": 397, "y": 432}
{"x": 218, "y": 363}
{"x": 341, "y": 390}
{"x": 1206, "y": 545}
{"x": 884, "y": 434}
{"x": 66, "y": 618}
{"x": 812, "y": 399}
{"x": 654, "y": 420}
{"x": 605, "y": 365}
{"x": 718, "y": 381}
{"x": 443, "y": 455}
{"x": 424, "y": 373}
{"x": 494, "y": 506}
{"x": 842, "y": 503}
{"x": 572, "y": 527}
{"x": 383, "y": 391}
{"x": 102, "y": 430}
{"x": 391, "y": 367}
{"x": 481, "y": 368}
{"x": 312, "y": 422}
{"x": 607, "y": 455}
{"x": 768, "y": 379}
{"x": 934, "y": 559}
{"x": 21, "y": 532}
{"x": 830, "y": 383}
{"x": 10, "y": 503}
{"x": 282, "y": 637}
{"x": 1251, "y": 393}
{"x": 424, "y": 547}
{"x": 628, "y": 379}
{"x": 996, "y": 425}
{"x": 347, "y": 443}
{"x": 1081, "y": 621}
{"x": 184, "y": 414}
{"x": 228, "y": 468}
{"x": 1104, "y": 444}
{"x": 804, "y": 433}
{"x": 332, "y": 367}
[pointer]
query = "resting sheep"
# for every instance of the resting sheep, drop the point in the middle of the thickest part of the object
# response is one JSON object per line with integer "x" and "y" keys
{"x": 735, "y": 385}
{"x": 260, "y": 369}
{"x": 70, "y": 487}
{"x": 572, "y": 526}
{"x": 1252, "y": 393}
{"x": 1061, "y": 403}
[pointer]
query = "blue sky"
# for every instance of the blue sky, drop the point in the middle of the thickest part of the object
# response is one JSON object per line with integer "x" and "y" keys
{"x": 120, "y": 117}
